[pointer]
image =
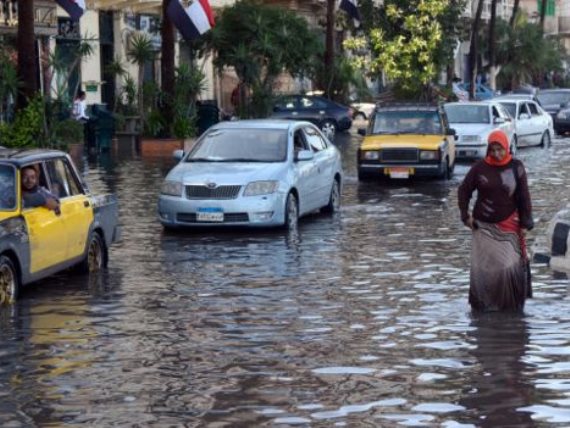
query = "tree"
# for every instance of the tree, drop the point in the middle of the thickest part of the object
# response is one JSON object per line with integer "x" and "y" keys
{"x": 543, "y": 5}
{"x": 26, "y": 44}
{"x": 516, "y": 5}
{"x": 492, "y": 42}
{"x": 474, "y": 49}
{"x": 140, "y": 52}
{"x": 260, "y": 42}
{"x": 329, "y": 48}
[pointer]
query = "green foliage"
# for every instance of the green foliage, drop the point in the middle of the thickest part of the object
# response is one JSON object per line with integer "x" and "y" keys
{"x": 260, "y": 42}
{"x": 66, "y": 132}
{"x": 140, "y": 52}
{"x": 27, "y": 130}
{"x": 9, "y": 83}
{"x": 154, "y": 124}
{"x": 409, "y": 40}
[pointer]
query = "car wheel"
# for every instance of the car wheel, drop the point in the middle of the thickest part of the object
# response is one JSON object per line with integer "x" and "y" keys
{"x": 291, "y": 212}
{"x": 9, "y": 281}
{"x": 545, "y": 142}
{"x": 329, "y": 129}
{"x": 334, "y": 199}
{"x": 364, "y": 176}
{"x": 96, "y": 258}
{"x": 359, "y": 116}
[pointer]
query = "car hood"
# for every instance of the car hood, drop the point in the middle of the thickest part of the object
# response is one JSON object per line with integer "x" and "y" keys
{"x": 7, "y": 214}
{"x": 420, "y": 141}
{"x": 225, "y": 173}
{"x": 472, "y": 128}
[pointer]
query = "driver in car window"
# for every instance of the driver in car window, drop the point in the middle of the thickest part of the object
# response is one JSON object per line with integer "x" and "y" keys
{"x": 33, "y": 195}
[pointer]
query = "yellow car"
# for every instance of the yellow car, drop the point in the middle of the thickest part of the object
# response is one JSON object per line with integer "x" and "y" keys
{"x": 407, "y": 140}
{"x": 36, "y": 242}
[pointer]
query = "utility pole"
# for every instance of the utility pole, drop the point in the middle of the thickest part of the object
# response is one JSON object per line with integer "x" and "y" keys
{"x": 167, "y": 59}
{"x": 328, "y": 71}
{"x": 26, "y": 44}
{"x": 492, "y": 43}
{"x": 474, "y": 50}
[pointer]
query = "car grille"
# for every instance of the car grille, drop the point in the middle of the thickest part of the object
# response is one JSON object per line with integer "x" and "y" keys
{"x": 220, "y": 192}
{"x": 399, "y": 155}
{"x": 228, "y": 218}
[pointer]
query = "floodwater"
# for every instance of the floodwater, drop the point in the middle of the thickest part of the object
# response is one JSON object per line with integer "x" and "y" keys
{"x": 359, "y": 319}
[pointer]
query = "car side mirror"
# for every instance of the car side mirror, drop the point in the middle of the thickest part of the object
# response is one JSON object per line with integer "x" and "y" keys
{"x": 178, "y": 154}
{"x": 304, "y": 155}
{"x": 498, "y": 120}
{"x": 451, "y": 131}
{"x": 361, "y": 131}
{"x": 563, "y": 105}
{"x": 524, "y": 116}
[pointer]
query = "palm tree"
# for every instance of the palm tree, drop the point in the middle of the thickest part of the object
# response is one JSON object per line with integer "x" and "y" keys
{"x": 140, "y": 52}
{"x": 543, "y": 4}
{"x": 515, "y": 12}
{"x": 492, "y": 41}
{"x": 26, "y": 43}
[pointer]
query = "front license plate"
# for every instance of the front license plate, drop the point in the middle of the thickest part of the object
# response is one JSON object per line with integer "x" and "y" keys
{"x": 210, "y": 214}
{"x": 469, "y": 153}
{"x": 399, "y": 173}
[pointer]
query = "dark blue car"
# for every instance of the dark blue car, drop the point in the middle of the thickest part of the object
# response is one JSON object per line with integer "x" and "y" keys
{"x": 326, "y": 114}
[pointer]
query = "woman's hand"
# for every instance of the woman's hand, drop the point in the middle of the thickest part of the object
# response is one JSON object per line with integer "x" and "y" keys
{"x": 470, "y": 223}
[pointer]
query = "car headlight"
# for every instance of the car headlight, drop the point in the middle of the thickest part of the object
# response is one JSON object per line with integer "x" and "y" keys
{"x": 370, "y": 155}
{"x": 257, "y": 188}
{"x": 172, "y": 188}
{"x": 429, "y": 154}
{"x": 562, "y": 115}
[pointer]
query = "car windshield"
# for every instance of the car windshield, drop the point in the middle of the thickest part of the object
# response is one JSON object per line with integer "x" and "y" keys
{"x": 241, "y": 145}
{"x": 553, "y": 98}
{"x": 407, "y": 122}
{"x": 7, "y": 187}
{"x": 511, "y": 108}
{"x": 465, "y": 113}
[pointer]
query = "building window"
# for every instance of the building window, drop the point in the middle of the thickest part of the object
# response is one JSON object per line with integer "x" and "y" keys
{"x": 550, "y": 7}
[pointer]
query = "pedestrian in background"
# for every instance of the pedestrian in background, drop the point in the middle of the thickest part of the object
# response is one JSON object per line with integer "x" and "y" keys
{"x": 79, "y": 107}
{"x": 500, "y": 271}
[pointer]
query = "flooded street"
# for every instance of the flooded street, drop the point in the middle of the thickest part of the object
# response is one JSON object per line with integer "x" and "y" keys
{"x": 360, "y": 319}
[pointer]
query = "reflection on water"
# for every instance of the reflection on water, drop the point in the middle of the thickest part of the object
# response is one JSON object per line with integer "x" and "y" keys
{"x": 360, "y": 319}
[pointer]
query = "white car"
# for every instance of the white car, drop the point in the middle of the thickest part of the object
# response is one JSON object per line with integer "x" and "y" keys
{"x": 362, "y": 110}
{"x": 533, "y": 125}
{"x": 252, "y": 173}
{"x": 473, "y": 122}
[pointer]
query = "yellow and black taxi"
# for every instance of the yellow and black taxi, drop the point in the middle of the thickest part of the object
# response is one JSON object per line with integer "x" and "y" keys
{"x": 406, "y": 140}
{"x": 37, "y": 242}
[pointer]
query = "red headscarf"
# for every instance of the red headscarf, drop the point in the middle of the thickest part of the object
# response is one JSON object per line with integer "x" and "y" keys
{"x": 499, "y": 137}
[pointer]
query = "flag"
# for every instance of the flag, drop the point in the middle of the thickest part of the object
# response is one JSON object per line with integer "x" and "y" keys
{"x": 193, "y": 21}
{"x": 74, "y": 8}
{"x": 350, "y": 7}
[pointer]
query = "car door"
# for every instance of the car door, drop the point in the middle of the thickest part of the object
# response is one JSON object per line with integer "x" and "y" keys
{"x": 324, "y": 160}
{"x": 286, "y": 108}
{"x": 46, "y": 230}
{"x": 76, "y": 209}
{"x": 524, "y": 125}
{"x": 306, "y": 174}
{"x": 313, "y": 109}
{"x": 539, "y": 122}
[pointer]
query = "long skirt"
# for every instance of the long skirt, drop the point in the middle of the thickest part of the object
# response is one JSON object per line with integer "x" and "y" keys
{"x": 500, "y": 275}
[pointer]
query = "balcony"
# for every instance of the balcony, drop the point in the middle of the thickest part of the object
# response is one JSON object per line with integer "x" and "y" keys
{"x": 564, "y": 25}
{"x": 45, "y": 17}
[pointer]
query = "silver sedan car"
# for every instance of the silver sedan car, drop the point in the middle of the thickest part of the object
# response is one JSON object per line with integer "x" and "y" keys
{"x": 252, "y": 173}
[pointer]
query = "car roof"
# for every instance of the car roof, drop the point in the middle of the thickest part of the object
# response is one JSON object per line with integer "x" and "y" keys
{"x": 407, "y": 106}
{"x": 259, "y": 124}
{"x": 25, "y": 156}
{"x": 515, "y": 97}
{"x": 470, "y": 103}
{"x": 553, "y": 91}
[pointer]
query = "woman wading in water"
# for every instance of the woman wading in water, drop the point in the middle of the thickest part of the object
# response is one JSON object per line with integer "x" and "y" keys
{"x": 500, "y": 275}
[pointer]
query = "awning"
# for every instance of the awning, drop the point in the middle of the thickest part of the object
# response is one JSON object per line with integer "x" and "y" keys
{"x": 134, "y": 6}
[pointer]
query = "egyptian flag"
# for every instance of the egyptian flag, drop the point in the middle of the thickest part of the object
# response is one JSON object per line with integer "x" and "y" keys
{"x": 74, "y": 8}
{"x": 192, "y": 21}
{"x": 350, "y": 7}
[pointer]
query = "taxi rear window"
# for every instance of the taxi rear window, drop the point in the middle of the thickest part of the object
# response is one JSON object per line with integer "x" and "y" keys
{"x": 7, "y": 187}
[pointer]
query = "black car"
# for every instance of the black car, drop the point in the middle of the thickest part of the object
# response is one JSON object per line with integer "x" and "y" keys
{"x": 326, "y": 114}
{"x": 557, "y": 103}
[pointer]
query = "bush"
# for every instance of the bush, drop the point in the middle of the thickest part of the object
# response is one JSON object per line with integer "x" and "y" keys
{"x": 67, "y": 132}
{"x": 27, "y": 130}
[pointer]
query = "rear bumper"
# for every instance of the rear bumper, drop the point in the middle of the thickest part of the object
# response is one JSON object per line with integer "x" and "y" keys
{"x": 561, "y": 125}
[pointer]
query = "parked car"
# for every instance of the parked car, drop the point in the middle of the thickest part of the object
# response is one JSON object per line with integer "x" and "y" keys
{"x": 328, "y": 115}
{"x": 38, "y": 242}
{"x": 518, "y": 96}
{"x": 253, "y": 173}
{"x": 407, "y": 140}
{"x": 362, "y": 110}
{"x": 474, "y": 121}
{"x": 482, "y": 92}
{"x": 532, "y": 124}
{"x": 556, "y": 102}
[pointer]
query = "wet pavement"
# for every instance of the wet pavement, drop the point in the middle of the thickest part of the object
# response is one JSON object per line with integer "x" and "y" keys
{"x": 359, "y": 319}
